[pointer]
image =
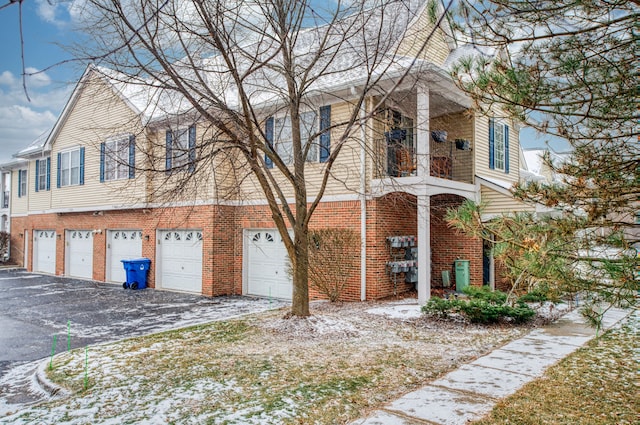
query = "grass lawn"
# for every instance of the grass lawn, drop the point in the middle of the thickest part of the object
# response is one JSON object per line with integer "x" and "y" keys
{"x": 597, "y": 385}
{"x": 263, "y": 369}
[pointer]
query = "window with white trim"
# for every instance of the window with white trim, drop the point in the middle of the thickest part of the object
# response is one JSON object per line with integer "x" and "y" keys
{"x": 499, "y": 146}
{"x": 116, "y": 159}
{"x": 42, "y": 174}
{"x": 180, "y": 148}
{"x": 69, "y": 167}
{"x": 284, "y": 138}
{"x": 22, "y": 183}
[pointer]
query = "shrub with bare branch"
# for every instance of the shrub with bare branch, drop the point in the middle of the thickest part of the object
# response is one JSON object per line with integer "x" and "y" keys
{"x": 333, "y": 260}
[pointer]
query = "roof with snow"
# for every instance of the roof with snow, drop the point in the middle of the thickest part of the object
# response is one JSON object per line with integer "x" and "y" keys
{"x": 345, "y": 61}
{"x": 535, "y": 162}
{"x": 35, "y": 147}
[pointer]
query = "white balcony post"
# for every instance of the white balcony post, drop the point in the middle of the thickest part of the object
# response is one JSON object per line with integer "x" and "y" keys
{"x": 422, "y": 131}
{"x": 424, "y": 249}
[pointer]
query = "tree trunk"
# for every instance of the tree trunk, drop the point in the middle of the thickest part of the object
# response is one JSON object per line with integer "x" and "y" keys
{"x": 300, "y": 265}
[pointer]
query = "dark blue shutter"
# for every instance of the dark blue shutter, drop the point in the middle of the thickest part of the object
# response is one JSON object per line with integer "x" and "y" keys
{"x": 132, "y": 156}
{"x": 325, "y": 136}
{"x": 102, "y": 150}
{"x": 192, "y": 148}
{"x": 58, "y": 171}
{"x": 268, "y": 133}
{"x": 492, "y": 133}
{"x": 37, "y": 174}
{"x": 506, "y": 149}
{"x": 49, "y": 173}
{"x": 20, "y": 184}
{"x": 82, "y": 165}
{"x": 169, "y": 139}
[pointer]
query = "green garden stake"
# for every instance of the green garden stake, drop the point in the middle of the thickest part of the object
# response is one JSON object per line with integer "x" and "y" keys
{"x": 69, "y": 335}
{"x": 53, "y": 351}
{"x": 86, "y": 367}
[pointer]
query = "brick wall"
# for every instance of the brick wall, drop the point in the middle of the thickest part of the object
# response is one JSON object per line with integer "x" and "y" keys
{"x": 223, "y": 226}
{"x": 345, "y": 215}
{"x": 501, "y": 281}
{"x": 18, "y": 224}
{"x": 212, "y": 220}
{"x": 448, "y": 245}
{"x": 394, "y": 214}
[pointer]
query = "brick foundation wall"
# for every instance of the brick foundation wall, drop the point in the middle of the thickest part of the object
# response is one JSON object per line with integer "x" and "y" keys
{"x": 394, "y": 214}
{"x": 501, "y": 281}
{"x": 448, "y": 245}
{"x": 344, "y": 215}
{"x": 217, "y": 276}
{"x": 223, "y": 228}
{"x": 18, "y": 225}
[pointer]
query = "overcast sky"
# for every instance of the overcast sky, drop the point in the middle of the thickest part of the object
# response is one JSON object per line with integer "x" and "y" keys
{"x": 23, "y": 119}
{"x": 46, "y": 27}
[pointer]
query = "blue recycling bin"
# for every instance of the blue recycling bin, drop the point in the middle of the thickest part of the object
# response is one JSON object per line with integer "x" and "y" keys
{"x": 136, "y": 270}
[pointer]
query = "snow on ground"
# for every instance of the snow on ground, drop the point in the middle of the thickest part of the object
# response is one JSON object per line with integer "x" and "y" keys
{"x": 197, "y": 383}
{"x": 405, "y": 310}
{"x": 17, "y": 387}
{"x": 15, "y": 382}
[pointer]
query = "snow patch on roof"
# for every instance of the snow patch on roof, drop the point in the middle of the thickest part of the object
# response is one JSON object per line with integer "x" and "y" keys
{"x": 467, "y": 51}
{"x": 36, "y": 146}
{"x": 346, "y": 60}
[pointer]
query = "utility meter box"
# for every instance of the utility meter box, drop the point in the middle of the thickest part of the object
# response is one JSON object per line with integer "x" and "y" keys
{"x": 462, "y": 274}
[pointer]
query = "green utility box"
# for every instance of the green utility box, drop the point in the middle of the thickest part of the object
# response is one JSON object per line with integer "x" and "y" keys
{"x": 462, "y": 274}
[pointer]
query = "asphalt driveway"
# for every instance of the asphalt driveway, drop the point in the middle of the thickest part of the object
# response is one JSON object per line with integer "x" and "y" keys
{"x": 34, "y": 308}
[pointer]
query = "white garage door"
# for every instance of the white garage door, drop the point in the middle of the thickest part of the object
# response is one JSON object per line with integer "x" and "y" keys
{"x": 266, "y": 264}
{"x": 44, "y": 251}
{"x": 122, "y": 245}
{"x": 79, "y": 253}
{"x": 179, "y": 266}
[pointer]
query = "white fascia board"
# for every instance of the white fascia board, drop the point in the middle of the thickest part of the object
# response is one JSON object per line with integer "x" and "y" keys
{"x": 74, "y": 98}
{"x": 159, "y": 205}
{"x": 494, "y": 186}
{"x": 13, "y": 165}
{"x": 67, "y": 109}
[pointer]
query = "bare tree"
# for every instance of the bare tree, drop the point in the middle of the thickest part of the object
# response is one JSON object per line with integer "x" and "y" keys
{"x": 231, "y": 66}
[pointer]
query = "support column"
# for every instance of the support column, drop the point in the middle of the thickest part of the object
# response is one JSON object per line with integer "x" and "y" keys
{"x": 424, "y": 249}
{"x": 422, "y": 132}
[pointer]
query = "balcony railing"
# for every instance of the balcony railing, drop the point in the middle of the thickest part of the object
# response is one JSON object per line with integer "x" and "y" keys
{"x": 400, "y": 160}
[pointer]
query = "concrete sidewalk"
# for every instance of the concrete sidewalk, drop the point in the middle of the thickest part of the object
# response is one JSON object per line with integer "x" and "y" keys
{"x": 470, "y": 392}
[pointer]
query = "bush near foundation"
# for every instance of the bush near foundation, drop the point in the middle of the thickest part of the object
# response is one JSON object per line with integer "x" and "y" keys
{"x": 482, "y": 306}
{"x": 333, "y": 258}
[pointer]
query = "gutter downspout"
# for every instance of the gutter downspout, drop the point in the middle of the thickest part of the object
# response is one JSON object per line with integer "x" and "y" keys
{"x": 363, "y": 202}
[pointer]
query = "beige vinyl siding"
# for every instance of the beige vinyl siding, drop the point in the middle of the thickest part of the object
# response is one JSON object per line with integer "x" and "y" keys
{"x": 345, "y": 175}
{"x": 422, "y": 31}
{"x": 457, "y": 126}
{"x": 19, "y": 205}
{"x": 40, "y": 200}
{"x": 499, "y": 203}
{"x": 481, "y": 149}
{"x": 97, "y": 115}
{"x": 184, "y": 186}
